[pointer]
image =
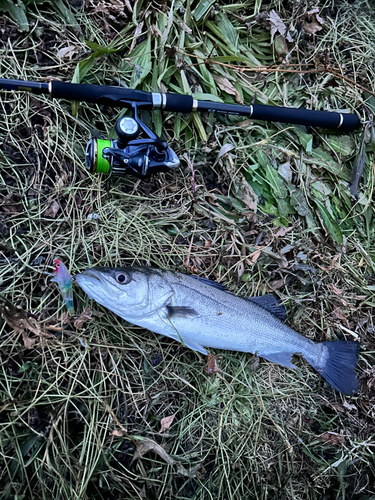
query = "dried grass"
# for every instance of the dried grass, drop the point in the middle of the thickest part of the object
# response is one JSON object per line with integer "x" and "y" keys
{"x": 76, "y": 406}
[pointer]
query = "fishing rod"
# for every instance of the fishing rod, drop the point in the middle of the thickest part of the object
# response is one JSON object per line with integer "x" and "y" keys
{"x": 149, "y": 154}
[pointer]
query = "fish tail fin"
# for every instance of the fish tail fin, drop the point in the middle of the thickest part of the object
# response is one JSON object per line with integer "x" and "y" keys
{"x": 339, "y": 368}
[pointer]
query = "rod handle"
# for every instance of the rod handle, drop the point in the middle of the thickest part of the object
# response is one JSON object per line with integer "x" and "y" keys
{"x": 99, "y": 94}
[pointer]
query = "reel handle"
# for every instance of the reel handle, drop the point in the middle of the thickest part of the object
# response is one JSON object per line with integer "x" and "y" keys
{"x": 127, "y": 129}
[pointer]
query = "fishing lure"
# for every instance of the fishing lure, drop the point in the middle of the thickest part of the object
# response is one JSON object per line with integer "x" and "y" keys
{"x": 64, "y": 281}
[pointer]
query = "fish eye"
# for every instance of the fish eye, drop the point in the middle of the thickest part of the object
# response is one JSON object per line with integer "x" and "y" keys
{"x": 122, "y": 278}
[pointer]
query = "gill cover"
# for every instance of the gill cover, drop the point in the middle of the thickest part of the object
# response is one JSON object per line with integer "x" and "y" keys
{"x": 129, "y": 292}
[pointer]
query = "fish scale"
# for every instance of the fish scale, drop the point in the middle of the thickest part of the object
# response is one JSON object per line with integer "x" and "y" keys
{"x": 247, "y": 331}
{"x": 200, "y": 314}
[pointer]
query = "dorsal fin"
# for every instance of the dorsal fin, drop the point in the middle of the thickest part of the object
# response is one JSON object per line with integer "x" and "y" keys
{"x": 209, "y": 282}
{"x": 271, "y": 303}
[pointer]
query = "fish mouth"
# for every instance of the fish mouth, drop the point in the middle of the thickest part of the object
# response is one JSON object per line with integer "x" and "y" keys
{"x": 95, "y": 273}
{"x": 95, "y": 284}
{"x": 91, "y": 273}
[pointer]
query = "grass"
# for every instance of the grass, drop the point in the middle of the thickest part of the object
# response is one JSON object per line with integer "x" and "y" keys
{"x": 81, "y": 410}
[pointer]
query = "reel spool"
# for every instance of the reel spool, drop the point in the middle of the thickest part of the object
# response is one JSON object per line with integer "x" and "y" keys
{"x": 129, "y": 155}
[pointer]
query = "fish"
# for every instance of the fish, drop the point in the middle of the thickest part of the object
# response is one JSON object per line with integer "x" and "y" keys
{"x": 201, "y": 313}
{"x": 64, "y": 280}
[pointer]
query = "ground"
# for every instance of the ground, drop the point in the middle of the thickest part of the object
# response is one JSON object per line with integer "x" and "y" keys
{"x": 99, "y": 409}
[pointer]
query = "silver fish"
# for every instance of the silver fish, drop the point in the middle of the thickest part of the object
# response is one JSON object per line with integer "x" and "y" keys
{"x": 199, "y": 312}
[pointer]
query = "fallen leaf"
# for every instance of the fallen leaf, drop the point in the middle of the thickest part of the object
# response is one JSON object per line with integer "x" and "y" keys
{"x": 278, "y": 26}
{"x": 62, "y": 180}
{"x": 212, "y": 366}
{"x": 191, "y": 269}
{"x": 370, "y": 375}
{"x": 86, "y": 315}
{"x": 112, "y": 8}
{"x": 254, "y": 363}
{"x": 280, "y": 45}
{"x": 228, "y": 87}
{"x": 146, "y": 445}
{"x": 313, "y": 22}
{"x": 339, "y": 314}
{"x": 223, "y": 151}
{"x": 244, "y": 123}
{"x": 67, "y": 52}
{"x": 118, "y": 432}
{"x": 52, "y": 210}
{"x": 332, "y": 264}
{"x": 335, "y": 290}
{"x": 358, "y": 167}
{"x": 208, "y": 244}
{"x": 349, "y": 406}
{"x": 17, "y": 318}
{"x": 112, "y": 11}
{"x": 192, "y": 471}
{"x": 286, "y": 171}
{"x": 10, "y": 204}
{"x": 240, "y": 269}
{"x": 166, "y": 422}
{"x": 136, "y": 35}
{"x": 248, "y": 195}
{"x": 337, "y": 407}
{"x": 27, "y": 341}
{"x": 65, "y": 318}
{"x": 274, "y": 285}
{"x": 332, "y": 438}
{"x": 255, "y": 256}
{"x": 282, "y": 231}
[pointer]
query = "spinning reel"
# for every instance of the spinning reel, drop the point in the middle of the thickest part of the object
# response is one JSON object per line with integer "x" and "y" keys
{"x": 142, "y": 157}
{"x": 129, "y": 155}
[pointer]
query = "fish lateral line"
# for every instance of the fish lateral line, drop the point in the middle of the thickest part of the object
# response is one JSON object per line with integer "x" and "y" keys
{"x": 269, "y": 301}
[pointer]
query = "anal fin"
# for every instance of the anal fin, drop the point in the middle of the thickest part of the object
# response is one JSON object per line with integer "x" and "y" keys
{"x": 281, "y": 358}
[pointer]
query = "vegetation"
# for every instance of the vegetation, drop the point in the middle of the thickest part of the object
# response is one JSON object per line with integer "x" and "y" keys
{"x": 261, "y": 207}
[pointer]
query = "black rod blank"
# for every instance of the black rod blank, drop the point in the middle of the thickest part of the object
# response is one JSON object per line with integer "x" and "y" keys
{"x": 34, "y": 87}
{"x": 122, "y": 97}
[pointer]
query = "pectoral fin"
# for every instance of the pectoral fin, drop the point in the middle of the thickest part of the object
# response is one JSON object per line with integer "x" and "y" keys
{"x": 281, "y": 358}
{"x": 180, "y": 311}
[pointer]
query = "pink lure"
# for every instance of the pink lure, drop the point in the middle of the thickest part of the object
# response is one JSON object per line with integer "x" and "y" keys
{"x": 64, "y": 281}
